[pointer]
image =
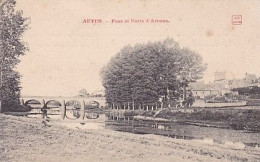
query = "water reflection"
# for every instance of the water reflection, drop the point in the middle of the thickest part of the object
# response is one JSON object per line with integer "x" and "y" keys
{"x": 117, "y": 122}
{"x": 179, "y": 130}
{"x": 91, "y": 115}
{"x": 72, "y": 113}
{"x": 130, "y": 124}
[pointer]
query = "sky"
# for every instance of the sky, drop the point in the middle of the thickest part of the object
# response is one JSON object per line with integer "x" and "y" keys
{"x": 66, "y": 54}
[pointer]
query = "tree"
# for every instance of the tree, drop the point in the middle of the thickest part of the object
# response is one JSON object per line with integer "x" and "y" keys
{"x": 12, "y": 27}
{"x": 145, "y": 72}
{"x": 83, "y": 93}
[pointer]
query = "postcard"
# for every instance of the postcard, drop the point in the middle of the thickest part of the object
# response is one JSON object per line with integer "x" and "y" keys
{"x": 129, "y": 80}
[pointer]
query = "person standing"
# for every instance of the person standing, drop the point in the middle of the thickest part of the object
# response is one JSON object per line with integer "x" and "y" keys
{"x": 44, "y": 115}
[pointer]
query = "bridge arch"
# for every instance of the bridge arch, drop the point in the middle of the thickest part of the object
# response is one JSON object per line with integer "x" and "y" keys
{"x": 53, "y": 102}
{"x": 54, "y": 108}
{"x": 95, "y": 103}
{"x": 73, "y": 103}
{"x": 92, "y": 115}
{"x": 73, "y": 108}
{"x": 32, "y": 101}
{"x": 92, "y": 104}
{"x": 35, "y": 105}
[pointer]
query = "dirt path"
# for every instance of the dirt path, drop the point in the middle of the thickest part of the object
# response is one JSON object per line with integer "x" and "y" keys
{"x": 23, "y": 139}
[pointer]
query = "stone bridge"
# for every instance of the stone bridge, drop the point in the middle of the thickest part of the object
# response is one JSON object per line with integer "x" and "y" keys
{"x": 63, "y": 100}
{"x": 63, "y": 103}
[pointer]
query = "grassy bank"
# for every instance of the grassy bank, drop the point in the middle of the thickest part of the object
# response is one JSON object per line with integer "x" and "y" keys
{"x": 26, "y": 139}
{"x": 235, "y": 118}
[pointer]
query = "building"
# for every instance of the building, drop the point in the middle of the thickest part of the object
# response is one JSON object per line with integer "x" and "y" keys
{"x": 238, "y": 83}
{"x": 224, "y": 83}
{"x": 199, "y": 93}
{"x": 202, "y": 90}
{"x": 251, "y": 78}
{"x": 210, "y": 89}
{"x": 254, "y": 85}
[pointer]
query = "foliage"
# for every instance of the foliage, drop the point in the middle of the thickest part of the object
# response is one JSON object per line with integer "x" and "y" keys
{"x": 149, "y": 113}
{"x": 145, "y": 72}
{"x": 132, "y": 113}
{"x": 189, "y": 100}
{"x": 251, "y": 92}
{"x": 242, "y": 119}
{"x": 12, "y": 27}
{"x": 83, "y": 93}
{"x": 20, "y": 108}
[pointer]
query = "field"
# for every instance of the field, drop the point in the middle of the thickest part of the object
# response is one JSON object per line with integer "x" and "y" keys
{"x": 26, "y": 139}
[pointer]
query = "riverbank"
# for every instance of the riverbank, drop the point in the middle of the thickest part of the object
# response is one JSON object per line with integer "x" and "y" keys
{"x": 238, "y": 118}
{"x": 26, "y": 139}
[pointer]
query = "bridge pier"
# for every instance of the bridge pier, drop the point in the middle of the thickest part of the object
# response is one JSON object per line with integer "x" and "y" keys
{"x": 63, "y": 109}
{"x": 82, "y": 109}
{"x": 43, "y": 103}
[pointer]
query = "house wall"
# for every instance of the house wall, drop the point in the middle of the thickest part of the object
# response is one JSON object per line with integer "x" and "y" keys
{"x": 204, "y": 93}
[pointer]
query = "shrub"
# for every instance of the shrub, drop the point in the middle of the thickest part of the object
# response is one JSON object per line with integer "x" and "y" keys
{"x": 20, "y": 108}
{"x": 149, "y": 113}
{"x": 131, "y": 113}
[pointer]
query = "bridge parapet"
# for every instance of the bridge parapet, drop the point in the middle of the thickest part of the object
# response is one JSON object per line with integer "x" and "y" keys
{"x": 44, "y": 100}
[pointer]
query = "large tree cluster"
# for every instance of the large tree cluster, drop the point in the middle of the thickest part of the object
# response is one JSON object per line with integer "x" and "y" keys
{"x": 12, "y": 27}
{"x": 143, "y": 74}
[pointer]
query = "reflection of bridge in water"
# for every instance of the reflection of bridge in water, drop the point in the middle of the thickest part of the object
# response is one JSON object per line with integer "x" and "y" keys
{"x": 71, "y": 107}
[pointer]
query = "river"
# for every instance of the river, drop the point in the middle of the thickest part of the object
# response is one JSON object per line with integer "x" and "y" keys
{"x": 118, "y": 122}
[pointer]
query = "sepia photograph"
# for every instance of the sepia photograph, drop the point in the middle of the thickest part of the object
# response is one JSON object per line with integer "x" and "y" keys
{"x": 129, "y": 80}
